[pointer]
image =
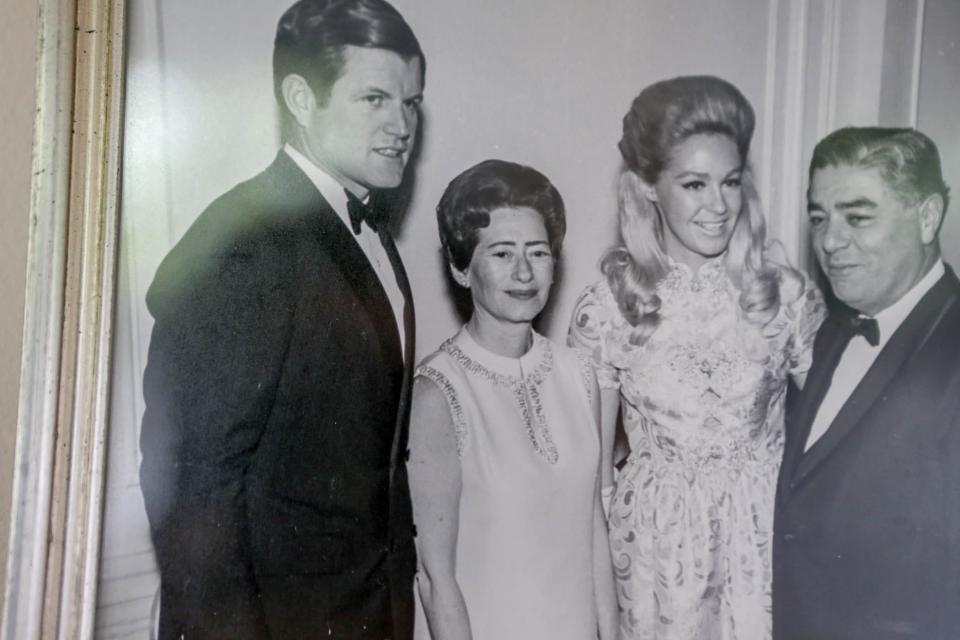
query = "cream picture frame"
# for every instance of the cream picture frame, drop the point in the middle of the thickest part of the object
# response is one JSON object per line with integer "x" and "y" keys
{"x": 55, "y": 533}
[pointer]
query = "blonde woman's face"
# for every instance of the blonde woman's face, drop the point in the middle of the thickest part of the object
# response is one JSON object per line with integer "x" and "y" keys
{"x": 700, "y": 197}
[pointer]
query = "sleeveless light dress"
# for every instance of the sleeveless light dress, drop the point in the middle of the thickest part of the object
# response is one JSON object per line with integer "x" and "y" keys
{"x": 529, "y": 455}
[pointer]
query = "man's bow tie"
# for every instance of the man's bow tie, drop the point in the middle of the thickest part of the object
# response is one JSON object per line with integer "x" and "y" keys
{"x": 360, "y": 213}
{"x": 866, "y": 327}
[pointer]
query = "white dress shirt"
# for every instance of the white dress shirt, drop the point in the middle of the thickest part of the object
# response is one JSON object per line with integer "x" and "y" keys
{"x": 859, "y": 355}
{"x": 369, "y": 242}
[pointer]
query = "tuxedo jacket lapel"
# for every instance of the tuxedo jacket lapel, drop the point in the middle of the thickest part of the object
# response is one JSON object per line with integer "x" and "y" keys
{"x": 404, "y": 283}
{"x": 895, "y": 356}
{"x": 400, "y": 430}
{"x": 830, "y": 342}
{"x": 344, "y": 251}
{"x": 358, "y": 271}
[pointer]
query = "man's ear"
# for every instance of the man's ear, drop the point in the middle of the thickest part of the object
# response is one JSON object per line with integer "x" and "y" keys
{"x": 460, "y": 277}
{"x": 930, "y": 215}
{"x": 299, "y": 98}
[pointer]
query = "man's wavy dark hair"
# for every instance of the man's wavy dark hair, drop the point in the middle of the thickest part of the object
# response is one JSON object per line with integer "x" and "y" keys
{"x": 312, "y": 34}
{"x": 908, "y": 161}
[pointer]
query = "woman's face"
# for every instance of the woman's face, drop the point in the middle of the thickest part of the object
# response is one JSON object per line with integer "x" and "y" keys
{"x": 511, "y": 270}
{"x": 700, "y": 197}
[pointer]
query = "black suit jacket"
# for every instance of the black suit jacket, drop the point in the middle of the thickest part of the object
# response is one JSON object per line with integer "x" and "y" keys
{"x": 867, "y": 527}
{"x": 273, "y": 441}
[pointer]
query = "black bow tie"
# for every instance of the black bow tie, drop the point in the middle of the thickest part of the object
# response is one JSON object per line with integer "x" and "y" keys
{"x": 866, "y": 327}
{"x": 360, "y": 213}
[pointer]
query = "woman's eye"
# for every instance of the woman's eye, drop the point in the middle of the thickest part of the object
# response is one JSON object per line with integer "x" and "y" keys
{"x": 733, "y": 183}
{"x": 694, "y": 185}
{"x": 501, "y": 254}
{"x": 541, "y": 253}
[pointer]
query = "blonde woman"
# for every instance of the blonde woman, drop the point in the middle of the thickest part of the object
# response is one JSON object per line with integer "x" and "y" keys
{"x": 694, "y": 333}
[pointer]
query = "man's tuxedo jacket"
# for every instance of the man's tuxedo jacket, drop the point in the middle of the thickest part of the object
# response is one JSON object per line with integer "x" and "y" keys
{"x": 273, "y": 441}
{"x": 867, "y": 529}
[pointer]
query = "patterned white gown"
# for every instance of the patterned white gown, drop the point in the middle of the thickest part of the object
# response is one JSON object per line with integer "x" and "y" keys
{"x": 692, "y": 514}
{"x": 529, "y": 458}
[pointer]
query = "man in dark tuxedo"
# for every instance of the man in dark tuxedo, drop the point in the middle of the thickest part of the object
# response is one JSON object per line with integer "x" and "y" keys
{"x": 277, "y": 387}
{"x": 867, "y": 524}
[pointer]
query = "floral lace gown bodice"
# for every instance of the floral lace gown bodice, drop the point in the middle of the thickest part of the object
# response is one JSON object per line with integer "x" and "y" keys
{"x": 702, "y": 399}
{"x": 529, "y": 453}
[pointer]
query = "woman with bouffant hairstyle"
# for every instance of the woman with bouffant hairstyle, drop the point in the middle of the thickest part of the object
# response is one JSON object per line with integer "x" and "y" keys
{"x": 693, "y": 332}
{"x": 504, "y": 434}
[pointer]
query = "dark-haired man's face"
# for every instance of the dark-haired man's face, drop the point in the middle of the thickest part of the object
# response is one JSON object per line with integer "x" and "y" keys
{"x": 872, "y": 246}
{"x": 363, "y": 135}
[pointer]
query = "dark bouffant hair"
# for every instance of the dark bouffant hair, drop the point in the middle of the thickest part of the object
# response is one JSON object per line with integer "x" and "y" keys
{"x": 467, "y": 201}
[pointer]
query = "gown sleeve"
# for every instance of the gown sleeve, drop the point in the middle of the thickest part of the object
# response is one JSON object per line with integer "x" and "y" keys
{"x": 807, "y": 312}
{"x": 590, "y": 328}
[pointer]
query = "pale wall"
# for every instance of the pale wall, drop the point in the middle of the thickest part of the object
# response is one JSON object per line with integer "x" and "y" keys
{"x": 17, "y": 35}
{"x": 547, "y": 82}
{"x": 543, "y": 82}
{"x": 939, "y": 106}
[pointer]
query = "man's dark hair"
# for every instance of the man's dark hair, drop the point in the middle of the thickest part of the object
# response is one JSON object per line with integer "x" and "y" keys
{"x": 312, "y": 34}
{"x": 908, "y": 161}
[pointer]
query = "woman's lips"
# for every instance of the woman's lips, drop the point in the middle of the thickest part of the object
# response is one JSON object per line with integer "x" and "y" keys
{"x": 712, "y": 228}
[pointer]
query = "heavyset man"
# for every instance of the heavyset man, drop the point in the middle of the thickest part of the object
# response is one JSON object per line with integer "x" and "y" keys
{"x": 867, "y": 521}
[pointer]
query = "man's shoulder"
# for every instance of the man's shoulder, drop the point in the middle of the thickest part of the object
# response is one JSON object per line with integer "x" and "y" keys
{"x": 278, "y": 197}
{"x": 950, "y": 278}
{"x": 941, "y": 304}
{"x": 947, "y": 329}
{"x": 258, "y": 223}
{"x": 931, "y": 335}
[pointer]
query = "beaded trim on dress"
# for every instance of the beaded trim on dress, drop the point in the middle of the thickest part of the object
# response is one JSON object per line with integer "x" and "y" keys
{"x": 456, "y": 411}
{"x": 586, "y": 372}
{"x": 526, "y": 392}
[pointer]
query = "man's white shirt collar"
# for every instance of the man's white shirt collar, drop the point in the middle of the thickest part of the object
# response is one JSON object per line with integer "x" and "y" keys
{"x": 331, "y": 190}
{"x": 368, "y": 241}
{"x": 859, "y": 355}
{"x": 890, "y": 319}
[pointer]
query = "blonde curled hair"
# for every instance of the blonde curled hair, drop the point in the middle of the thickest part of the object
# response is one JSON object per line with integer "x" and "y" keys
{"x": 661, "y": 116}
